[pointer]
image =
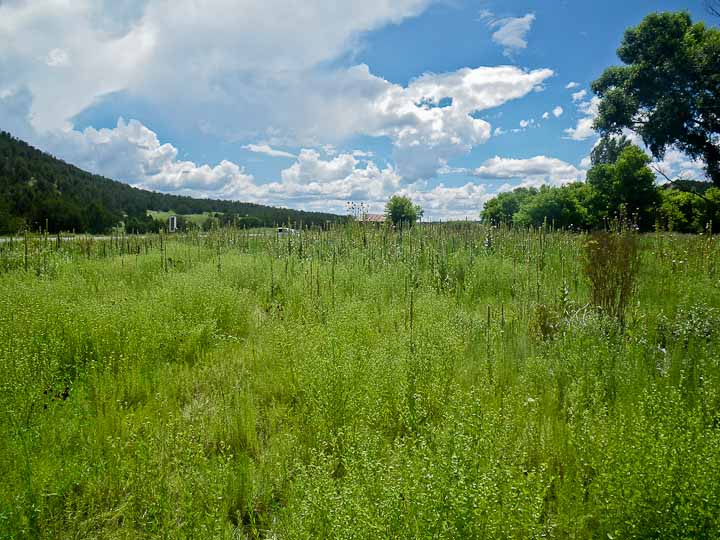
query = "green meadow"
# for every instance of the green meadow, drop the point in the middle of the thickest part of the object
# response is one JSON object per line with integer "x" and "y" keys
{"x": 446, "y": 381}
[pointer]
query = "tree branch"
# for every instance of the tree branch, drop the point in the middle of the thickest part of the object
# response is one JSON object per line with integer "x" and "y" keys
{"x": 713, "y": 7}
{"x": 658, "y": 170}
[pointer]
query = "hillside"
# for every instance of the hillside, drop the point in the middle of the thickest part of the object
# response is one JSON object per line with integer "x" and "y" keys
{"x": 37, "y": 188}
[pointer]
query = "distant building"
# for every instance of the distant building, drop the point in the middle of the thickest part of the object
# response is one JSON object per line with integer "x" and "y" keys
{"x": 372, "y": 218}
{"x": 172, "y": 224}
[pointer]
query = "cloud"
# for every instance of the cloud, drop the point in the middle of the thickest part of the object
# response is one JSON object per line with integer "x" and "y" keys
{"x": 524, "y": 123}
{"x": 584, "y": 128}
{"x": 579, "y": 96}
{"x": 171, "y": 52}
{"x": 510, "y": 32}
{"x": 677, "y": 164}
{"x": 447, "y": 169}
{"x": 58, "y": 58}
{"x": 674, "y": 164}
{"x": 131, "y": 152}
{"x": 262, "y": 71}
{"x": 41, "y": 49}
{"x": 537, "y": 170}
{"x": 556, "y": 112}
{"x": 571, "y": 85}
{"x": 423, "y": 136}
{"x": 311, "y": 167}
{"x": 267, "y": 150}
{"x": 450, "y": 203}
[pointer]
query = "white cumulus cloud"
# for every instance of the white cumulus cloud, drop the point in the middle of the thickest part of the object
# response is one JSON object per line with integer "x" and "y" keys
{"x": 536, "y": 170}
{"x": 584, "y": 127}
{"x": 262, "y": 74}
{"x": 579, "y": 96}
{"x": 510, "y": 32}
{"x": 262, "y": 71}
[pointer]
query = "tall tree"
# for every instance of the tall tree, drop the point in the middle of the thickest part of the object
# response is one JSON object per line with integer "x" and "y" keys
{"x": 401, "y": 210}
{"x": 626, "y": 186}
{"x": 669, "y": 90}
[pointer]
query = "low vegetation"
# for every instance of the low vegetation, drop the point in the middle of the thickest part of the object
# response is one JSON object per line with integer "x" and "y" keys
{"x": 455, "y": 381}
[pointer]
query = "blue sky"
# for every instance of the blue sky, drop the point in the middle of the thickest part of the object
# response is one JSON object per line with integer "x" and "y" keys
{"x": 314, "y": 104}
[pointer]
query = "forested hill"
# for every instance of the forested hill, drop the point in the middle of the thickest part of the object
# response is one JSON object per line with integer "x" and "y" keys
{"x": 37, "y": 188}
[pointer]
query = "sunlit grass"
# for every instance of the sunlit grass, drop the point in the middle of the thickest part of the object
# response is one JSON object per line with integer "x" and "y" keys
{"x": 443, "y": 382}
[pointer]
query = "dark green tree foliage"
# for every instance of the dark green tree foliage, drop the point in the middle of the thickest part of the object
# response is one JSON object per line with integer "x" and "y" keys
{"x": 624, "y": 188}
{"x": 37, "y": 189}
{"x": 401, "y": 211}
{"x": 669, "y": 90}
{"x": 619, "y": 185}
{"x": 561, "y": 207}
{"x": 503, "y": 208}
{"x": 608, "y": 150}
{"x": 688, "y": 211}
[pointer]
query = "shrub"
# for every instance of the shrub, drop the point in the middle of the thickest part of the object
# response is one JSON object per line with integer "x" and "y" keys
{"x": 612, "y": 263}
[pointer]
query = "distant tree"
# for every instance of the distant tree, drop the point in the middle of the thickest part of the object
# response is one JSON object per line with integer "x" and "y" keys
{"x": 608, "y": 149}
{"x": 669, "y": 90}
{"x": 560, "y": 207}
{"x": 400, "y": 210}
{"x": 502, "y": 208}
{"x": 626, "y": 186}
{"x": 210, "y": 223}
{"x": 98, "y": 219}
{"x": 249, "y": 222}
{"x": 681, "y": 211}
{"x": 689, "y": 211}
{"x": 5, "y": 217}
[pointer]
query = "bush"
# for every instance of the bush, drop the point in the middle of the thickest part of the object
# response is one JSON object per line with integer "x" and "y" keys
{"x": 612, "y": 263}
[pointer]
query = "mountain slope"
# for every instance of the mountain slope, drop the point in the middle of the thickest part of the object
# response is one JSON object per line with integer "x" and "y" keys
{"x": 37, "y": 188}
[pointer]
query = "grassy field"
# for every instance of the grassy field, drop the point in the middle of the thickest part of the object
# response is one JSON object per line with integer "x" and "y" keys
{"x": 447, "y": 382}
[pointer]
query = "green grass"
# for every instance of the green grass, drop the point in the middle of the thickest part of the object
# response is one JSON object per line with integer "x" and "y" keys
{"x": 356, "y": 383}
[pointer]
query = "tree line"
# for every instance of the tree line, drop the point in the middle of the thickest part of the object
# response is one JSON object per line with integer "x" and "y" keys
{"x": 619, "y": 185}
{"x": 41, "y": 192}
